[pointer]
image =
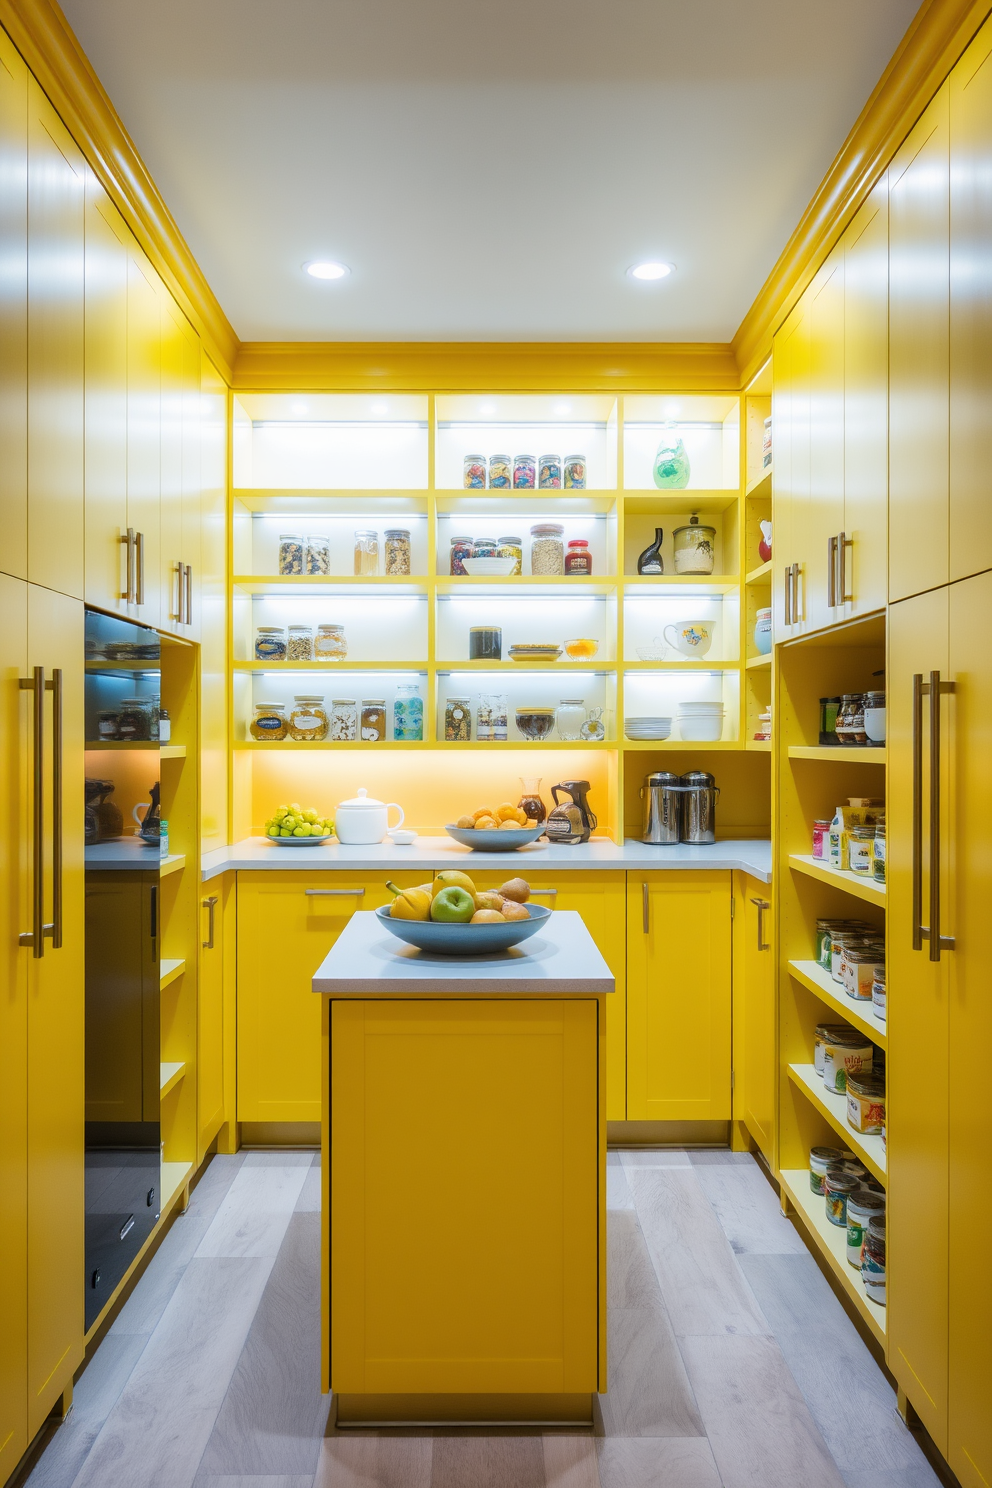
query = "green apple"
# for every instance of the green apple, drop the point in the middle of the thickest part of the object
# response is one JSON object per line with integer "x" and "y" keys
{"x": 453, "y": 906}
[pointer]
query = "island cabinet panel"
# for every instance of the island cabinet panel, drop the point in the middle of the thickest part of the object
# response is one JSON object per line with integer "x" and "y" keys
{"x": 678, "y": 996}
{"x": 287, "y": 922}
{"x": 464, "y": 1196}
{"x": 754, "y": 1012}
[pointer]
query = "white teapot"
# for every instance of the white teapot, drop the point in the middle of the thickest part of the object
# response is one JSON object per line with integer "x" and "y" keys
{"x": 364, "y": 820}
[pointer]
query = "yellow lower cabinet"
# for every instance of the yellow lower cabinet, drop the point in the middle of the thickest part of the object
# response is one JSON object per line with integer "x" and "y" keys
{"x": 215, "y": 1016}
{"x": 599, "y": 899}
{"x": 287, "y": 922}
{"x": 754, "y": 1012}
{"x": 678, "y": 996}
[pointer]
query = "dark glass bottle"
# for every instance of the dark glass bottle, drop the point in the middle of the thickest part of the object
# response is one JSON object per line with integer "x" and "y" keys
{"x": 651, "y": 561}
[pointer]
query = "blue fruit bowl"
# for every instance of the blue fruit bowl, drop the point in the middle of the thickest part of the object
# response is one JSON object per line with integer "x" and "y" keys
{"x": 506, "y": 840}
{"x": 464, "y": 940}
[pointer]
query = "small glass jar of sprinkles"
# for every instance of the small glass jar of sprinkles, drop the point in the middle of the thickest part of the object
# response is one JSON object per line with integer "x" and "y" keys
{"x": 574, "y": 473}
{"x": 500, "y": 472}
{"x": 474, "y": 473}
{"x": 549, "y": 473}
{"x": 524, "y": 472}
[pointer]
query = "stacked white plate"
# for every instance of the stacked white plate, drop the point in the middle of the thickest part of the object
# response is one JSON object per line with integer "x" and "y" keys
{"x": 642, "y": 730}
{"x": 701, "y": 722}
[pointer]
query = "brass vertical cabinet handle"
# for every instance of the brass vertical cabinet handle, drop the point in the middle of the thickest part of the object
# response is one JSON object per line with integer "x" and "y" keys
{"x": 787, "y": 595}
{"x": 761, "y": 905}
{"x": 188, "y": 592}
{"x": 177, "y": 613}
{"x": 128, "y": 541}
{"x": 35, "y": 937}
{"x": 645, "y": 909}
{"x": 931, "y": 933}
{"x": 843, "y": 543}
{"x": 797, "y": 613}
{"x": 139, "y": 552}
{"x": 209, "y": 905}
{"x": 831, "y": 572}
{"x": 55, "y": 687}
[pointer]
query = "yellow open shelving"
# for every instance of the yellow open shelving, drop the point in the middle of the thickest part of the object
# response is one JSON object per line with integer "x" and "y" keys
{"x": 831, "y": 1241}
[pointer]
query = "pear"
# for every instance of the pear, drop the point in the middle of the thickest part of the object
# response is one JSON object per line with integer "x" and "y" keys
{"x": 517, "y": 889}
{"x": 512, "y": 911}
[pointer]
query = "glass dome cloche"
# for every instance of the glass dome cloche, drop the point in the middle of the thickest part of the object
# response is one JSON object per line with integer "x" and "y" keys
{"x": 671, "y": 463}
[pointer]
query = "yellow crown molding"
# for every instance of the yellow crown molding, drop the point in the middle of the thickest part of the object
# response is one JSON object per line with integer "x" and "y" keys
{"x": 494, "y": 365}
{"x": 936, "y": 38}
{"x": 42, "y": 35}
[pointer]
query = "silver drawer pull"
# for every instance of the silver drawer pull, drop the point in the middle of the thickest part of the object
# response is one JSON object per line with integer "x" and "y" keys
{"x": 552, "y": 892}
{"x": 334, "y": 893}
{"x": 127, "y": 1225}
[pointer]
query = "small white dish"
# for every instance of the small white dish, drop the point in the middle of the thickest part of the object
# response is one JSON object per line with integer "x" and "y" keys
{"x": 491, "y": 568}
{"x": 401, "y": 836}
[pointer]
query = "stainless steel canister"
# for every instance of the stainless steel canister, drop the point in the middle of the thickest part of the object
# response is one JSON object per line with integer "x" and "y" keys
{"x": 699, "y": 793}
{"x": 662, "y": 813}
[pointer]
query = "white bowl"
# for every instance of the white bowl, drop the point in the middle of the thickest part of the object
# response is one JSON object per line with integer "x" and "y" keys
{"x": 489, "y": 567}
{"x": 699, "y": 710}
{"x": 701, "y": 729}
{"x": 656, "y": 722}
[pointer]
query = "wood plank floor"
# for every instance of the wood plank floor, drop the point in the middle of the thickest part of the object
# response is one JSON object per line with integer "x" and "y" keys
{"x": 732, "y": 1364}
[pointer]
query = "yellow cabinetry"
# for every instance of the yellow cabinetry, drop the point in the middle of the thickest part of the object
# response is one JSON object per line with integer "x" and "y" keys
{"x": 754, "y": 1012}
{"x": 180, "y": 473}
{"x": 678, "y": 996}
{"x": 216, "y": 1021}
{"x": 13, "y": 319}
{"x": 106, "y": 403}
{"x": 144, "y": 433}
{"x": 791, "y": 472}
{"x": 818, "y": 515}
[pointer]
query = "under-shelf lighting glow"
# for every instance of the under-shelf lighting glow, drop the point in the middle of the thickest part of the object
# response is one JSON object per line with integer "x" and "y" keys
{"x": 322, "y": 268}
{"x": 651, "y": 271}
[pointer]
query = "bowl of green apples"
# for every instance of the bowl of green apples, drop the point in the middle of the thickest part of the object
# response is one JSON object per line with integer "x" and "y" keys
{"x": 294, "y": 826}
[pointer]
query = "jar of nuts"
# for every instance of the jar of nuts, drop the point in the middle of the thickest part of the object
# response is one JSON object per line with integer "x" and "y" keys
{"x": 292, "y": 549}
{"x": 547, "y": 551}
{"x": 397, "y": 550}
{"x": 318, "y": 559}
{"x": 300, "y": 644}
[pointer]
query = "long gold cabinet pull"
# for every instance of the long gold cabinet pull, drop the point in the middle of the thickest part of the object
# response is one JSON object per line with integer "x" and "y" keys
{"x": 130, "y": 588}
{"x": 931, "y": 933}
{"x": 209, "y": 905}
{"x": 761, "y": 905}
{"x": 40, "y": 931}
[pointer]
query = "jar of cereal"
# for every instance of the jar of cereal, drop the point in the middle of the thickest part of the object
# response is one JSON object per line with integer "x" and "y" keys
{"x": 292, "y": 550}
{"x": 307, "y": 718}
{"x": 524, "y": 472}
{"x": 268, "y": 721}
{"x": 549, "y": 473}
{"x": 500, "y": 472}
{"x": 373, "y": 719}
{"x": 318, "y": 557}
{"x": 474, "y": 473}
{"x": 300, "y": 647}
{"x": 575, "y": 473}
{"x": 457, "y": 720}
{"x": 330, "y": 643}
{"x": 342, "y": 724}
{"x": 547, "y": 551}
{"x": 397, "y": 550}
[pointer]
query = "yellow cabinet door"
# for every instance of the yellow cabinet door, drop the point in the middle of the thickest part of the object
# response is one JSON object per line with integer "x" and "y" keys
{"x": 106, "y": 403}
{"x": 287, "y": 923}
{"x": 213, "y": 629}
{"x": 754, "y": 1012}
{"x": 970, "y": 355}
{"x": 599, "y": 898}
{"x": 191, "y": 548}
{"x": 917, "y": 1133}
{"x": 819, "y": 517}
{"x": 172, "y": 574}
{"x": 863, "y": 566}
{"x": 783, "y": 347}
{"x": 968, "y": 819}
{"x": 678, "y": 996}
{"x": 791, "y": 481}
{"x": 144, "y": 420}
{"x": 918, "y": 356}
{"x": 13, "y": 321}
{"x": 215, "y": 1020}
{"x": 56, "y": 209}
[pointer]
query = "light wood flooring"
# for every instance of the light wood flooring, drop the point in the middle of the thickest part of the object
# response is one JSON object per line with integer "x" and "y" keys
{"x": 731, "y": 1361}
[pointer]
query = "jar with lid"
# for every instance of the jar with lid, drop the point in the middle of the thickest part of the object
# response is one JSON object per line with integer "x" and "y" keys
{"x": 292, "y": 553}
{"x": 474, "y": 472}
{"x": 695, "y": 547}
{"x": 862, "y": 1206}
{"x": 318, "y": 556}
{"x": 500, "y": 472}
{"x": 300, "y": 647}
{"x": 837, "y": 1188}
{"x": 342, "y": 721}
{"x": 574, "y": 473}
{"x": 875, "y": 717}
{"x": 845, "y": 1054}
{"x": 457, "y": 720}
{"x": 484, "y": 547}
{"x": 821, "y": 1034}
{"x": 366, "y": 552}
{"x": 829, "y": 708}
{"x": 524, "y": 472}
{"x": 878, "y": 994}
{"x": 397, "y": 551}
{"x": 108, "y": 724}
{"x": 878, "y": 853}
{"x": 851, "y": 719}
{"x": 859, "y": 966}
{"x": 137, "y": 719}
{"x": 485, "y": 643}
{"x": 821, "y": 830}
{"x": 330, "y": 643}
{"x": 308, "y": 719}
{"x": 268, "y": 721}
{"x": 842, "y": 937}
{"x": 511, "y": 547}
{"x": 873, "y": 1261}
{"x": 549, "y": 473}
{"x": 570, "y": 715}
{"x": 408, "y": 713}
{"x": 373, "y": 719}
{"x": 578, "y": 559}
{"x": 547, "y": 551}
{"x": 866, "y": 1102}
{"x": 860, "y": 847}
{"x": 820, "y": 1160}
{"x": 824, "y": 935}
{"x": 270, "y": 643}
{"x": 461, "y": 548}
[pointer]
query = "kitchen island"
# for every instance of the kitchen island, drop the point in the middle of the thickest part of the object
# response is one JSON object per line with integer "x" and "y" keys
{"x": 464, "y": 1172}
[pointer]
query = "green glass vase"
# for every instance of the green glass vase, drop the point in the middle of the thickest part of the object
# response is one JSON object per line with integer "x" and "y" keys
{"x": 671, "y": 465}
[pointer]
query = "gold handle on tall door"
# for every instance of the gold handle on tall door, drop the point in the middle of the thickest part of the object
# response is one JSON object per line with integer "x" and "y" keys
{"x": 35, "y": 937}
{"x": 209, "y": 905}
{"x": 128, "y": 541}
{"x": 645, "y": 909}
{"x": 139, "y": 550}
{"x": 797, "y": 574}
{"x": 761, "y": 905}
{"x": 917, "y": 833}
{"x": 188, "y": 592}
{"x": 932, "y": 690}
{"x": 831, "y": 572}
{"x": 177, "y": 613}
{"x": 55, "y": 687}
{"x": 787, "y": 596}
{"x": 843, "y": 543}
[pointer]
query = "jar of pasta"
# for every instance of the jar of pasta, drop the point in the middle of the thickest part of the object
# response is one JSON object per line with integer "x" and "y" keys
{"x": 397, "y": 550}
{"x": 308, "y": 719}
{"x": 474, "y": 472}
{"x": 270, "y": 643}
{"x": 300, "y": 645}
{"x": 524, "y": 472}
{"x": 318, "y": 555}
{"x": 500, "y": 472}
{"x": 366, "y": 552}
{"x": 373, "y": 719}
{"x": 511, "y": 547}
{"x": 292, "y": 551}
{"x": 549, "y": 473}
{"x": 330, "y": 643}
{"x": 575, "y": 473}
{"x": 457, "y": 720}
{"x": 268, "y": 722}
{"x": 547, "y": 551}
{"x": 342, "y": 723}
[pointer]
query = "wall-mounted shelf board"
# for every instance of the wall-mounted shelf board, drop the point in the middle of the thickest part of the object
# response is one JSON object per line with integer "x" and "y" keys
{"x": 682, "y": 501}
{"x": 831, "y": 1241}
{"x": 174, "y": 863}
{"x": 316, "y": 584}
{"x": 682, "y": 744}
{"x": 853, "y": 883}
{"x": 121, "y": 744}
{"x": 172, "y": 751}
{"x": 759, "y": 746}
{"x": 811, "y": 975}
{"x": 170, "y": 971}
{"x": 758, "y": 663}
{"x": 762, "y": 484}
{"x": 174, "y": 1175}
{"x": 171, "y": 1075}
{"x": 309, "y": 501}
{"x": 760, "y": 575}
{"x": 560, "y": 585}
{"x": 340, "y": 667}
{"x": 697, "y": 667}
{"x": 676, "y": 583}
{"x": 440, "y": 744}
{"x": 834, "y": 1108}
{"x": 838, "y": 754}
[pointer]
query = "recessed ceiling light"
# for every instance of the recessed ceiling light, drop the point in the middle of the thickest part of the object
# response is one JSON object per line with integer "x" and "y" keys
{"x": 323, "y": 268}
{"x": 563, "y": 409}
{"x": 487, "y": 409}
{"x": 650, "y": 271}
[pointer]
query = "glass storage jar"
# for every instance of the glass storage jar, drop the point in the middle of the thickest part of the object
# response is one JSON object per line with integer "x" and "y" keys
{"x": 574, "y": 473}
{"x": 511, "y": 547}
{"x": 408, "y": 713}
{"x": 342, "y": 722}
{"x": 457, "y": 720}
{"x": 851, "y": 719}
{"x": 270, "y": 643}
{"x": 308, "y": 719}
{"x": 292, "y": 552}
{"x": 549, "y": 473}
{"x": 860, "y": 841}
{"x": 484, "y": 547}
{"x": 397, "y": 551}
{"x": 108, "y": 723}
{"x": 474, "y": 473}
{"x": 483, "y": 720}
{"x": 373, "y": 719}
{"x": 366, "y": 552}
{"x": 138, "y": 719}
{"x": 878, "y": 853}
{"x": 318, "y": 556}
{"x": 547, "y": 551}
{"x": 695, "y": 547}
{"x": 570, "y": 715}
{"x": 300, "y": 645}
{"x": 268, "y": 721}
{"x": 578, "y": 559}
{"x": 330, "y": 643}
{"x": 524, "y": 472}
{"x": 873, "y": 1261}
{"x": 461, "y": 548}
{"x": 862, "y": 1206}
{"x": 500, "y": 472}
{"x": 874, "y": 704}
{"x": 485, "y": 643}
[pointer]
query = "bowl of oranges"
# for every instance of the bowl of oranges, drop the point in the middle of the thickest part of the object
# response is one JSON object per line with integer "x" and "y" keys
{"x": 501, "y": 828}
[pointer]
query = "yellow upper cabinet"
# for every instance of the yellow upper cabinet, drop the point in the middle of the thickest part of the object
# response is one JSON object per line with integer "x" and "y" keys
{"x": 791, "y": 473}
{"x": 818, "y": 513}
{"x": 172, "y": 577}
{"x": 13, "y": 312}
{"x": 861, "y": 551}
{"x": 106, "y": 402}
{"x": 144, "y": 433}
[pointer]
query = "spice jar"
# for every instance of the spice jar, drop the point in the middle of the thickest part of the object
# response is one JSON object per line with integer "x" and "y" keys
{"x": 366, "y": 552}
{"x": 821, "y": 831}
{"x": 844, "y": 1054}
{"x": 474, "y": 472}
{"x": 547, "y": 552}
{"x": 860, "y": 844}
{"x": 820, "y": 1160}
{"x": 307, "y": 719}
{"x": 878, "y": 853}
{"x": 108, "y": 724}
{"x": 342, "y": 722}
{"x": 270, "y": 643}
{"x": 300, "y": 647}
{"x": 408, "y": 713}
{"x": 268, "y": 721}
{"x": 461, "y": 548}
{"x": 851, "y": 719}
{"x": 862, "y": 1206}
{"x": 524, "y": 472}
{"x": 873, "y": 1261}
{"x": 837, "y": 1187}
{"x": 549, "y": 473}
{"x": 397, "y": 551}
{"x": 878, "y": 994}
{"x": 574, "y": 473}
{"x": 292, "y": 551}
{"x": 500, "y": 472}
{"x": 578, "y": 559}
{"x": 866, "y": 1103}
{"x": 859, "y": 965}
{"x": 318, "y": 555}
{"x": 511, "y": 547}
{"x": 485, "y": 643}
{"x": 373, "y": 719}
{"x": 457, "y": 720}
{"x": 136, "y": 720}
{"x": 330, "y": 643}
{"x": 695, "y": 547}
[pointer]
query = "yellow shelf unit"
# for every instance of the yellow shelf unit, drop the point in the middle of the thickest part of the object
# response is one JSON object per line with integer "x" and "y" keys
{"x": 759, "y": 663}
{"x": 834, "y": 1107}
{"x": 329, "y": 668}
{"x": 762, "y": 484}
{"x": 174, "y": 1176}
{"x": 851, "y": 883}
{"x": 838, "y": 755}
{"x": 172, "y": 751}
{"x": 172, "y": 1072}
{"x": 169, "y": 970}
{"x": 174, "y": 863}
{"x": 813, "y": 977}
{"x": 831, "y": 1241}
{"x": 760, "y": 575}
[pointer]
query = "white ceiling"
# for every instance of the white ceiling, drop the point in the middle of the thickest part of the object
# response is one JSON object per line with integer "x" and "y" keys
{"x": 488, "y": 168}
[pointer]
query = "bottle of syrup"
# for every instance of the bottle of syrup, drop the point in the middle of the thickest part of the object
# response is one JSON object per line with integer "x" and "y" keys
{"x": 651, "y": 561}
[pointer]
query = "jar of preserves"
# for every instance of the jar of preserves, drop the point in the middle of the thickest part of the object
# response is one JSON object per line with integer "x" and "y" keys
{"x": 108, "y": 724}
{"x": 270, "y": 643}
{"x": 330, "y": 643}
{"x": 342, "y": 722}
{"x": 878, "y": 853}
{"x": 821, "y": 830}
{"x": 308, "y": 719}
{"x": 300, "y": 644}
{"x": 549, "y": 473}
{"x": 524, "y": 472}
{"x": 837, "y": 1188}
{"x": 292, "y": 553}
{"x": 860, "y": 965}
{"x": 511, "y": 547}
{"x": 408, "y": 714}
{"x": 457, "y": 720}
{"x": 873, "y": 1261}
{"x": 397, "y": 551}
{"x": 694, "y": 547}
{"x": 461, "y": 548}
{"x": 851, "y": 719}
{"x": 484, "y": 547}
{"x": 366, "y": 552}
{"x": 878, "y": 994}
{"x": 866, "y": 1103}
{"x": 474, "y": 472}
{"x": 547, "y": 551}
{"x": 821, "y": 1034}
{"x": 268, "y": 722}
{"x": 137, "y": 720}
{"x": 373, "y": 719}
{"x": 860, "y": 847}
{"x": 845, "y": 1054}
{"x": 318, "y": 555}
{"x": 578, "y": 559}
{"x": 500, "y": 472}
{"x": 574, "y": 473}
{"x": 862, "y": 1206}
{"x": 820, "y": 1160}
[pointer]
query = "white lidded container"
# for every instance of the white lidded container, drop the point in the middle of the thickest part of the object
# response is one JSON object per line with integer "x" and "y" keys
{"x": 363, "y": 820}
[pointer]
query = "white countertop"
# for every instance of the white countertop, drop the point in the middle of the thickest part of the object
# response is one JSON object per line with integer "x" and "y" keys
{"x": 122, "y": 852}
{"x": 749, "y": 855}
{"x": 560, "y": 960}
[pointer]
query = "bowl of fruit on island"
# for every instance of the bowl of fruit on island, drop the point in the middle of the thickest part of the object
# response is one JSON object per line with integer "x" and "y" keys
{"x": 292, "y": 826}
{"x": 495, "y": 829}
{"x": 451, "y": 916}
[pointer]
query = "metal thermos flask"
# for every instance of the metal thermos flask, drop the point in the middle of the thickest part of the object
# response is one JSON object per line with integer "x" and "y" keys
{"x": 699, "y": 793}
{"x": 661, "y": 796}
